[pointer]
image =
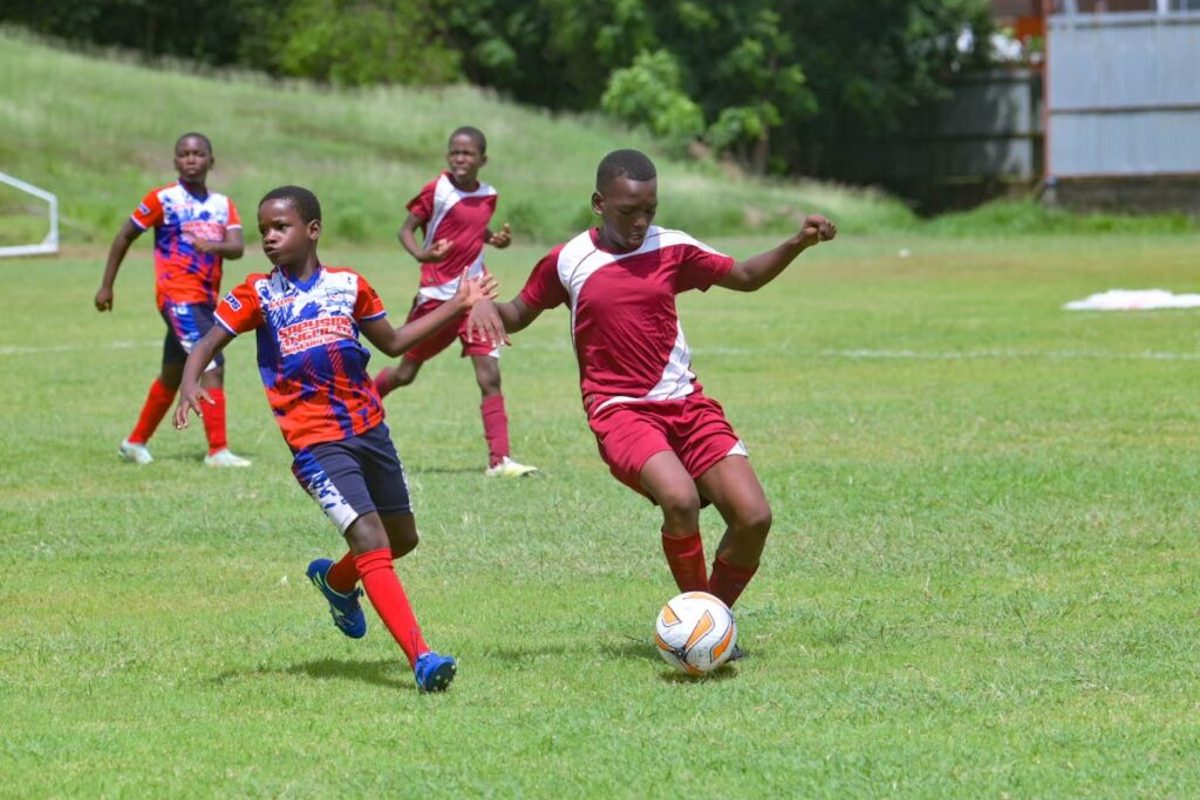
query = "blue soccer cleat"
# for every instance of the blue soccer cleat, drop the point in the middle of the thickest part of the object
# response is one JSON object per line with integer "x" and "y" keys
{"x": 434, "y": 672}
{"x": 344, "y": 608}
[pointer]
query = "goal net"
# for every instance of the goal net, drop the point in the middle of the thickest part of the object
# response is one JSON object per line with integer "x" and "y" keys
{"x": 26, "y": 211}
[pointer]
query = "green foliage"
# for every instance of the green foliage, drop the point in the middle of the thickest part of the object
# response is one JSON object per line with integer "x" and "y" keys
{"x": 783, "y": 86}
{"x": 648, "y": 93}
{"x": 365, "y": 152}
{"x": 358, "y": 42}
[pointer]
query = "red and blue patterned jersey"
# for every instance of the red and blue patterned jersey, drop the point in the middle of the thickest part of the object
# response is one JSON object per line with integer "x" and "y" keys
{"x": 309, "y": 357}
{"x": 183, "y": 274}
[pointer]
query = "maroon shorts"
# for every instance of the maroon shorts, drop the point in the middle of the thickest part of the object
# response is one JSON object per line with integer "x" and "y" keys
{"x": 694, "y": 428}
{"x": 445, "y": 337}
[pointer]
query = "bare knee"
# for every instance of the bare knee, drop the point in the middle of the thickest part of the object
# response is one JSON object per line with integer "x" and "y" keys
{"x": 404, "y": 544}
{"x": 679, "y": 503}
{"x": 401, "y": 533}
{"x": 752, "y": 522}
{"x": 366, "y": 534}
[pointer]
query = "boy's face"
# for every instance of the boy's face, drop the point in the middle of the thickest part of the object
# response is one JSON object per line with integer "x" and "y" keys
{"x": 287, "y": 240}
{"x": 464, "y": 159}
{"x": 193, "y": 159}
{"x": 626, "y": 208}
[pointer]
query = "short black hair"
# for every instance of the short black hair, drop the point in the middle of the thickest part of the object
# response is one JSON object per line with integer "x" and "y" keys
{"x": 632, "y": 164}
{"x": 475, "y": 134}
{"x": 195, "y": 135}
{"x": 302, "y": 199}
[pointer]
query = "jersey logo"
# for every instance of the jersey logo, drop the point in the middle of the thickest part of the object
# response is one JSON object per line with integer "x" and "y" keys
{"x": 308, "y": 333}
{"x": 142, "y": 209}
{"x": 233, "y": 302}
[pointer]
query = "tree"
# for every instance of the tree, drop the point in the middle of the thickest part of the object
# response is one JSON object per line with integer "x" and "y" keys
{"x": 648, "y": 93}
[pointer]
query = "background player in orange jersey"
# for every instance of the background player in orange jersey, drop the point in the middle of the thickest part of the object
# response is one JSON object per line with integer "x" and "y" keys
{"x": 657, "y": 431}
{"x": 194, "y": 231}
{"x": 455, "y": 209}
{"x": 308, "y": 317}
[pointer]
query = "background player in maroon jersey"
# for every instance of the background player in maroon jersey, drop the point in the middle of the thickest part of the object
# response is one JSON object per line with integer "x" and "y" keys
{"x": 308, "y": 317}
{"x": 194, "y": 230}
{"x": 655, "y": 428}
{"x": 455, "y": 209}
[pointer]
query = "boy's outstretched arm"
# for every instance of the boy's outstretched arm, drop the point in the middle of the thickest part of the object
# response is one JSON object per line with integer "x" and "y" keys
{"x": 397, "y": 341}
{"x": 757, "y": 271}
{"x": 492, "y": 322}
{"x": 190, "y": 392}
{"x": 116, "y": 254}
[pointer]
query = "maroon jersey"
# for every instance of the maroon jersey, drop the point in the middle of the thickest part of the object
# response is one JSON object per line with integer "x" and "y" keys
{"x": 624, "y": 324}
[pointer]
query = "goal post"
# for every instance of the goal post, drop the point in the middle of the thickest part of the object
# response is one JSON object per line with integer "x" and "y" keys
{"x": 50, "y": 243}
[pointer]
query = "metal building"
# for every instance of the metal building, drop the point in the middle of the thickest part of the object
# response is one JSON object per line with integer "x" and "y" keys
{"x": 1123, "y": 104}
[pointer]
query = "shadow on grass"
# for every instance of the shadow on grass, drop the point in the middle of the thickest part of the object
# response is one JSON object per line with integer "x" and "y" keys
{"x": 627, "y": 647}
{"x": 427, "y": 470}
{"x": 386, "y": 672}
{"x": 724, "y": 672}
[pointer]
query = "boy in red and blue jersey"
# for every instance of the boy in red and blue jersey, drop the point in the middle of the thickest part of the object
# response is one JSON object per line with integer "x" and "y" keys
{"x": 456, "y": 209}
{"x": 194, "y": 231}
{"x": 657, "y": 431}
{"x": 307, "y": 318}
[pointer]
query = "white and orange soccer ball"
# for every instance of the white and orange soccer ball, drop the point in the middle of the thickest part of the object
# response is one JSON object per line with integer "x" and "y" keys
{"x": 695, "y": 632}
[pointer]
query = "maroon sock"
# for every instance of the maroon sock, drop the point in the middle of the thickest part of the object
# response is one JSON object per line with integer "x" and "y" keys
{"x": 685, "y": 555}
{"x": 343, "y": 575}
{"x": 213, "y": 415}
{"x": 387, "y": 596}
{"x": 158, "y": 402}
{"x": 495, "y": 427}
{"x": 383, "y": 382}
{"x": 729, "y": 581}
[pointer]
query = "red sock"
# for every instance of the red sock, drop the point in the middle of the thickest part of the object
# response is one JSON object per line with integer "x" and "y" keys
{"x": 729, "y": 581}
{"x": 685, "y": 555}
{"x": 214, "y": 420}
{"x": 343, "y": 575}
{"x": 495, "y": 427}
{"x": 383, "y": 383}
{"x": 387, "y": 595}
{"x": 158, "y": 402}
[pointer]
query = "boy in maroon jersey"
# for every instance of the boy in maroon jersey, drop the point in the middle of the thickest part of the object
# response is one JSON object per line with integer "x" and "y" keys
{"x": 308, "y": 317}
{"x": 455, "y": 209}
{"x": 194, "y": 230}
{"x": 657, "y": 431}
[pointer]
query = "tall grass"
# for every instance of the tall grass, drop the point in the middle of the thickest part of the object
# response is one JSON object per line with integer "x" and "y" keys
{"x": 99, "y": 131}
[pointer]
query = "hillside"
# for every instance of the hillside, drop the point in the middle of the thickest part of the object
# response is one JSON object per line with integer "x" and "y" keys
{"x": 97, "y": 131}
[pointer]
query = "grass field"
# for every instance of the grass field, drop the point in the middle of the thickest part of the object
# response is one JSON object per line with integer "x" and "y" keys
{"x": 981, "y": 581}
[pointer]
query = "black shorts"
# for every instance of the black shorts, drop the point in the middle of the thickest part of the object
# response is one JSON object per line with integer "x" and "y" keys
{"x": 354, "y": 477}
{"x": 186, "y": 325}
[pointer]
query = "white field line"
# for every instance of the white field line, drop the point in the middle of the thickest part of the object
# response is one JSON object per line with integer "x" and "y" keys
{"x": 851, "y": 354}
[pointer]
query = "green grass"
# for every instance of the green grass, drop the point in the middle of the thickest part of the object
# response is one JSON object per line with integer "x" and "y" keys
{"x": 981, "y": 580}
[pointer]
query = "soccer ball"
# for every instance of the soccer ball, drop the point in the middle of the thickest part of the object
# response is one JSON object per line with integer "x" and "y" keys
{"x": 695, "y": 632}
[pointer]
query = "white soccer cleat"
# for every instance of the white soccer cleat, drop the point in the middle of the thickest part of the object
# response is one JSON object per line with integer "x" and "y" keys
{"x": 134, "y": 453}
{"x": 225, "y": 458}
{"x": 509, "y": 469}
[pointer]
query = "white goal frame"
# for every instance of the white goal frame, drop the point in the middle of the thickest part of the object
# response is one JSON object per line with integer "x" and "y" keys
{"x": 50, "y": 243}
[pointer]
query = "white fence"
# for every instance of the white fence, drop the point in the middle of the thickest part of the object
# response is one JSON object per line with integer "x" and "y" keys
{"x": 1123, "y": 91}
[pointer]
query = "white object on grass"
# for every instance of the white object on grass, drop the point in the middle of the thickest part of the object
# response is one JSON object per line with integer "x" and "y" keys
{"x": 1133, "y": 300}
